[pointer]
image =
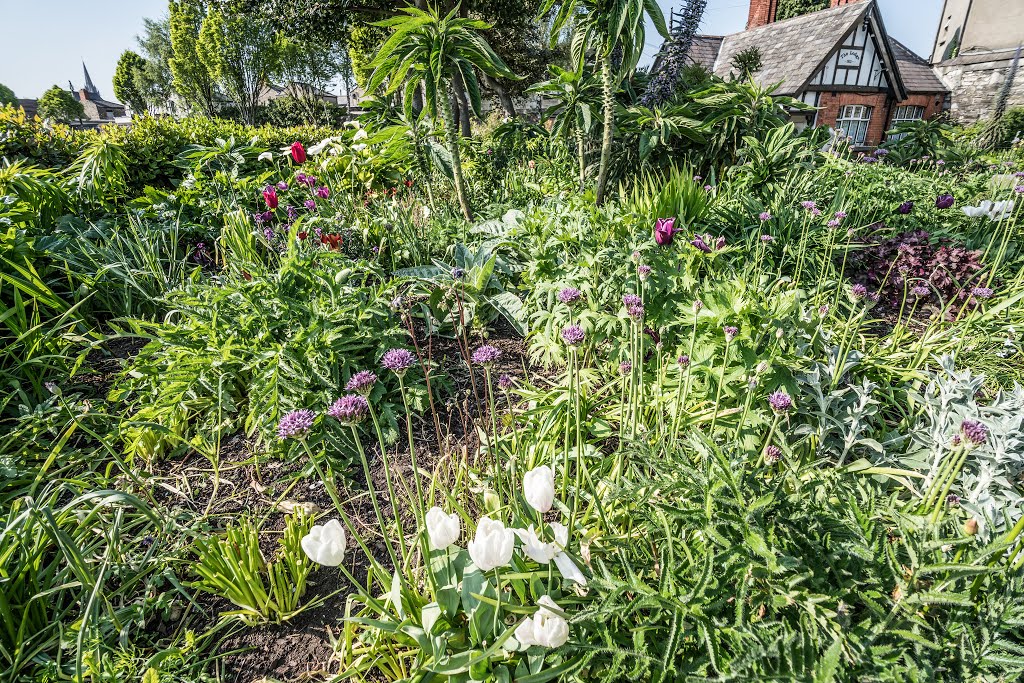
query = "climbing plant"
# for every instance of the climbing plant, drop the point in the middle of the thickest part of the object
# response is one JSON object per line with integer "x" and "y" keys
{"x": 787, "y": 9}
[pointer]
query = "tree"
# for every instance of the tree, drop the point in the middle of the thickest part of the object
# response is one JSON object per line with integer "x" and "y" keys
{"x": 576, "y": 97}
{"x": 57, "y": 103}
{"x": 241, "y": 52}
{"x": 607, "y": 26}
{"x": 7, "y": 96}
{"x": 429, "y": 50}
{"x": 309, "y": 66}
{"x": 155, "y": 81}
{"x": 192, "y": 79}
{"x": 126, "y": 79}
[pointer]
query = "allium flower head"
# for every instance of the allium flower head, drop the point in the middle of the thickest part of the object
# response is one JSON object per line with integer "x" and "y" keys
{"x": 631, "y": 300}
{"x": 643, "y": 271}
{"x": 920, "y": 291}
{"x": 834, "y": 223}
{"x": 362, "y": 382}
{"x": 569, "y": 295}
{"x": 765, "y": 216}
{"x": 982, "y": 293}
{"x": 310, "y": 204}
{"x": 809, "y": 205}
{"x": 823, "y": 310}
{"x": 697, "y": 305}
{"x": 625, "y": 367}
{"x": 635, "y": 312}
{"x": 772, "y": 454}
{"x": 573, "y": 335}
{"x": 398, "y": 361}
{"x": 505, "y": 382}
{"x": 974, "y": 432}
{"x": 840, "y": 215}
{"x": 953, "y": 500}
{"x": 780, "y": 401}
{"x": 859, "y": 291}
{"x": 295, "y": 424}
{"x": 350, "y": 409}
{"x": 730, "y": 332}
{"x": 486, "y": 355}
{"x": 283, "y": 185}
{"x": 683, "y": 361}
{"x": 767, "y": 239}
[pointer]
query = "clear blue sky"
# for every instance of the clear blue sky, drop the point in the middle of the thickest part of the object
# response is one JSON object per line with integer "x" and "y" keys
{"x": 43, "y": 42}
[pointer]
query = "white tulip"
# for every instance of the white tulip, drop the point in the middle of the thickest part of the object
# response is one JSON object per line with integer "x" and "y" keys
{"x": 536, "y": 549}
{"x": 493, "y": 545}
{"x": 360, "y": 134}
{"x": 539, "y": 488}
{"x": 568, "y": 568}
{"x": 442, "y": 529}
{"x": 546, "y": 628}
{"x": 266, "y": 156}
{"x": 325, "y": 544}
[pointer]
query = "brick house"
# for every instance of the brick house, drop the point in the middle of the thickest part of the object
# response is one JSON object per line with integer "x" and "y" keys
{"x": 840, "y": 60}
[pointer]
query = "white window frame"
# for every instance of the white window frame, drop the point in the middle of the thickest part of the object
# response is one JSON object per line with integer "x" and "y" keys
{"x": 902, "y": 113}
{"x": 854, "y": 120}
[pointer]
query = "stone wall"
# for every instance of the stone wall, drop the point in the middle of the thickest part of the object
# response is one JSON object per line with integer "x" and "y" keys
{"x": 975, "y": 82}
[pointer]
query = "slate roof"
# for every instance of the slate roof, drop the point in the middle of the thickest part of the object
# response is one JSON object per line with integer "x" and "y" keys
{"x": 704, "y": 51}
{"x": 792, "y": 50}
{"x": 918, "y": 76}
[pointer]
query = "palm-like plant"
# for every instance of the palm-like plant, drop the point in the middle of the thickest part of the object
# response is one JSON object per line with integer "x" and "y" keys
{"x": 429, "y": 50}
{"x": 576, "y": 97}
{"x": 605, "y": 26}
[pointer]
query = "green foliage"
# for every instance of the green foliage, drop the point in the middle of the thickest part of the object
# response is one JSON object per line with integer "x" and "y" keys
{"x": 128, "y": 80}
{"x": 191, "y": 77}
{"x": 915, "y": 139}
{"x": 7, "y": 96}
{"x": 155, "y": 80}
{"x": 232, "y": 566}
{"x": 60, "y": 105}
{"x": 747, "y": 62}
{"x": 48, "y": 144}
{"x": 787, "y": 9}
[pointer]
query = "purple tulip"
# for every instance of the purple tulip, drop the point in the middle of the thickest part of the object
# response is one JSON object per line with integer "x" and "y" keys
{"x": 906, "y": 207}
{"x": 664, "y": 230}
{"x": 944, "y": 201}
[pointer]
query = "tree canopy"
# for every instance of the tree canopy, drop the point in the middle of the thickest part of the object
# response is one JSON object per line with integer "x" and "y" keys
{"x": 127, "y": 78}
{"x": 57, "y": 103}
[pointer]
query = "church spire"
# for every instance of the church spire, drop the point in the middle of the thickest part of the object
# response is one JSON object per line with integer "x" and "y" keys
{"x": 89, "y": 86}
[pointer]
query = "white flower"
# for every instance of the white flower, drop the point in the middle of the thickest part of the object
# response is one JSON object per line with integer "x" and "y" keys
{"x": 995, "y": 211}
{"x": 360, "y": 134}
{"x": 539, "y": 488}
{"x": 325, "y": 544}
{"x": 442, "y": 528}
{"x": 358, "y": 148}
{"x": 319, "y": 147}
{"x": 568, "y": 568}
{"x": 493, "y": 545}
{"x": 546, "y": 628}
{"x": 536, "y": 549}
{"x": 266, "y": 156}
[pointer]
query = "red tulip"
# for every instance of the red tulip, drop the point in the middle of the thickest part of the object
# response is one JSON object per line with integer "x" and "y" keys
{"x": 298, "y": 153}
{"x": 270, "y": 196}
{"x": 332, "y": 239}
{"x": 302, "y": 235}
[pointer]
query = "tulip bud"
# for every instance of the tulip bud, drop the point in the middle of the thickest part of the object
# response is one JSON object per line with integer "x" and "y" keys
{"x": 325, "y": 544}
{"x": 442, "y": 529}
{"x": 539, "y": 488}
{"x": 493, "y": 545}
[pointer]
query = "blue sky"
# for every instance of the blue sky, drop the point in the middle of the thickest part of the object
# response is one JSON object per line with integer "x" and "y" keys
{"x": 43, "y": 42}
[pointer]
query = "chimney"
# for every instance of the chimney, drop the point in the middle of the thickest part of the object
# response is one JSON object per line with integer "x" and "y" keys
{"x": 83, "y": 95}
{"x": 762, "y": 12}
{"x": 837, "y": 3}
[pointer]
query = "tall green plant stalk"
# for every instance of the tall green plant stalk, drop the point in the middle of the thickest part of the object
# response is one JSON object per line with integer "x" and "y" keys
{"x": 721, "y": 383}
{"x": 608, "y": 102}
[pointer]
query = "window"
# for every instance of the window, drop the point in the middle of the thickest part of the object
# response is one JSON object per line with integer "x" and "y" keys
{"x": 905, "y": 113}
{"x": 853, "y": 120}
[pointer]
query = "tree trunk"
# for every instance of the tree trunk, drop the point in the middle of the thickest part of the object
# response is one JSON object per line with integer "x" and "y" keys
{"x": 453, "y": 144}
{"x": 506, "y": 100}
{"x": 582, "y": 158}
{"x": 609, "y": 123}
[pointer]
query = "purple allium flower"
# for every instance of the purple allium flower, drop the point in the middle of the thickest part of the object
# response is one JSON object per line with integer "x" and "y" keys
{"x": 664, "y": 230}
{"x": 772, "y": 454}
{"x": 625, "y": 367}
{"x": 859, "y": 291}
{"x": 906, "y": 207}
{"x": 920, "y": 291}
{"x": 683, "y": 361}
{"x": 765, "y": 216}
{"x": 815, "y": 211}
{"x": 644, "y": 271}
{"x": 398, "y": 361}
{"x": 698, "y": 241}
{"x": 840, "y": 215}
{"x": 944, "y": 201}
{"x": 362, "y": 382}
{"x": 350, "y": 409}
{"x": 635, "y": 312}
{"x": 940, "y": 162}
{"x": 573, "y": 335}
{"x": 953, "y": 500}
{"x": 697, "y": 305}
{"x": 631, "y": 300}
{"x": 1019, "y": 189}
{"x": 295, "y": 424}
{"x": 780, "y": 401}
{"x": 268, "y": 234}
{"x": 982, "y": 293}
{"x": 698, "y": 178}
{"x": 823, "y": 310}
{"x": 881, "y": 152}
{"x": 293, "y": 213}
{"x": 809, "y": 205}
{"x": 868, "y": 160}
{"x": 282, "y": 186}
{"x": 505, "y": 382}
{"x": 569, "y": 295}
{"x": 636, "y": 256}
{"x": 310, "y": 204}
{"x": 730, "y": 332}
{"x": 974, "y": 432}
{"x": 486, "y": 355}
{"x": 834, "y": 223}
{"x": 258, "y": 217}
{"x": 458, "y": 273}
{"x": 323, "y": 192}
{"x": 767, "y": 239}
